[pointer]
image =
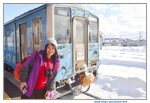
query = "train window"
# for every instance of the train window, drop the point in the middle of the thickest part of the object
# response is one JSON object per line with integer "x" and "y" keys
{"x": 37, "y": 34}
{"x": 80, "y": 32}
{"x": 93, "y": 29}
{"x": 62, "y": 25}
{"x": 23, "y": 40}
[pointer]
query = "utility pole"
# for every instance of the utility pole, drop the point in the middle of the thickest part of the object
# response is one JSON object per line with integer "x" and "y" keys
{"x": 140, "y": 38}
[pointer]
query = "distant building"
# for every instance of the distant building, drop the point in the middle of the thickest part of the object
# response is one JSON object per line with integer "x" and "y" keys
{"x": 129, "y": 42}
{"x": 101, "y": 34}
{"x": 122, "y": 42}
{"x": 112, "y": 41}
{"x": 142, "y": 42}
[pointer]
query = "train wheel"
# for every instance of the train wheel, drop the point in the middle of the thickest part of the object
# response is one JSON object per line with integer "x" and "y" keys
{"x": 85, "y": 88}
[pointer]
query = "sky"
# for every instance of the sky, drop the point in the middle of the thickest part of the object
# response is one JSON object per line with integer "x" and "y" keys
{"x": 121, "y": 20}
{"x": 13, "y": 10}
{"x": 116, "y": 20}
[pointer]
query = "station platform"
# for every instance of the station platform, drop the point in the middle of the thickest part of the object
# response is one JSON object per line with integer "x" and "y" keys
{"x": 6, "y": 96}
{"x": 11, "y": 90}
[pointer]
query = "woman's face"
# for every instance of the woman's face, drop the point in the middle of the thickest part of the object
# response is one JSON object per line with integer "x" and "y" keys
{"x": 50, "y": 50}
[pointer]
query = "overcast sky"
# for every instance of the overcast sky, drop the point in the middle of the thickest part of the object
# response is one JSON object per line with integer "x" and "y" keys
{"x": 121, "y": 20}
{"x": 116, "y": 20}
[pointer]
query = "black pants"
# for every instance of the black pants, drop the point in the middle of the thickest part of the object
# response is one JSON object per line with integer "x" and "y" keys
{"x": 37, "y": 94}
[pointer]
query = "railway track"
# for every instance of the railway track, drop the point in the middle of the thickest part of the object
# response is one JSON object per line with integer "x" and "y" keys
{"x": 93, "y": 96}
{"x": 80, "y": 96}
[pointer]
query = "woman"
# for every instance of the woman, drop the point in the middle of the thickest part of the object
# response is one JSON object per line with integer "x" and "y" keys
{"x": 39, "y": 71}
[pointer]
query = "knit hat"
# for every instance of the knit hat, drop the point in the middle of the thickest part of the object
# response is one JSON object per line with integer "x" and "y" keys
{"x": 51, "y": 41}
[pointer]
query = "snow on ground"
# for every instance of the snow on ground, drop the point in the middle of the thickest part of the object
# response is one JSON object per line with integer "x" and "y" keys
{"x": 122, "y": 74}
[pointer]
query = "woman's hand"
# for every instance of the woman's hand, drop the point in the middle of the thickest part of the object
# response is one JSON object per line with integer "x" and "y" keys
{"x": 22, "y": 85}
{"x": 49, "y": 95}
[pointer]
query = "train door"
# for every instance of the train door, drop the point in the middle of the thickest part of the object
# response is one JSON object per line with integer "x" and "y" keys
{"x": 80, "y": 44}
{"x": 23, "y": 40}
{"x": 36, "y": 34}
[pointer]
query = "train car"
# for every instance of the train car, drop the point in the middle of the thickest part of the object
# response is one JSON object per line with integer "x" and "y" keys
{"x": 74, "y": 28}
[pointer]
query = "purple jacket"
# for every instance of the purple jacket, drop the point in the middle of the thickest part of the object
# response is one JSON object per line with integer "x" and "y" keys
{"x": 38, "y": 58}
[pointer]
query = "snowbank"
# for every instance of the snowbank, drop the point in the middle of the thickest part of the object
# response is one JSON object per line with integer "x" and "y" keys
{"x": 122, "y": 74}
